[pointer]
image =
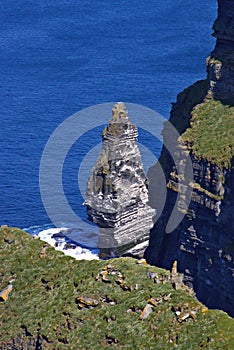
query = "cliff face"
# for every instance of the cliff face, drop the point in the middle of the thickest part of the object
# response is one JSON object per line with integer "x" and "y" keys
{"x": 117, "y": 193}
{"x": 220, "y": 64}
{"x": 203, "y": 243}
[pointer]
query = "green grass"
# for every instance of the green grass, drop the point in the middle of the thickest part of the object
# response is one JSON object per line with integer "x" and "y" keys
{"x": 44, "y": 304}
{"x": 211, "y": 133}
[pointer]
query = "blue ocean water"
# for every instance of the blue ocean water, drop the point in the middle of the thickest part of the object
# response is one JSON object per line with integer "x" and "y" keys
{"x": 58, "y": 57}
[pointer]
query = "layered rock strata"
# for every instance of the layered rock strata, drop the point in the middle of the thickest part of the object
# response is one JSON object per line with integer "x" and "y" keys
{"x": 117, "y": 194}
{"x": 203, "y": 243}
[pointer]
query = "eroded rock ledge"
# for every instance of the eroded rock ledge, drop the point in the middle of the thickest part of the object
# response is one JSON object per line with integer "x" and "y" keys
{"x": 117, "y": 193}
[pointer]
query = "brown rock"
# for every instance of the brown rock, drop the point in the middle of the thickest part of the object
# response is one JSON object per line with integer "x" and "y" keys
{"x": 146, "y": 312}
{"x": 5, "y": 292}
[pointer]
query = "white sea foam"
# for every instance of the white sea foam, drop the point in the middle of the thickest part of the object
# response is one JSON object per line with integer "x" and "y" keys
{"x": 55, "y": 237}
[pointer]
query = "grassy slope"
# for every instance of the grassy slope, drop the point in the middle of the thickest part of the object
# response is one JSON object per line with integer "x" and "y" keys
{"x": 43, "y": 304}
{"x": 211, "y": 132}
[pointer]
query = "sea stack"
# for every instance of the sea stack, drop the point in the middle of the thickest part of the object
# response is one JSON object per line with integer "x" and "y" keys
{"x": 117, "y": 193}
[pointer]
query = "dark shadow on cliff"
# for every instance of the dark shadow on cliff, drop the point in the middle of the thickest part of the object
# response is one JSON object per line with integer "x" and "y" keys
{"x": 180, "y": 118}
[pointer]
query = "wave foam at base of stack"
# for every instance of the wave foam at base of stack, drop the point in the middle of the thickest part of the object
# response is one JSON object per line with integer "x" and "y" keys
{"x": 59, "y": 241}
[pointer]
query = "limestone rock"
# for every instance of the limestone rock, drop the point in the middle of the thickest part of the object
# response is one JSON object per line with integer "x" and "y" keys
{"x": 117, "y": 193}
{"x": 146, "y": 312}
{"x": 87, "y": 302}
{"x": 5, "y": 292}
{"x": 176, "y": 279}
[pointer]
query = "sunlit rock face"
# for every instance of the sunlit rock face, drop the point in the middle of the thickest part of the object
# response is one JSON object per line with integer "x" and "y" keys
{"x": 117, "y": 194}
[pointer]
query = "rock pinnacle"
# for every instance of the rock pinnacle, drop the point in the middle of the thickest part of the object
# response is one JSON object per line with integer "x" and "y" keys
{"x": 117, "y": 194}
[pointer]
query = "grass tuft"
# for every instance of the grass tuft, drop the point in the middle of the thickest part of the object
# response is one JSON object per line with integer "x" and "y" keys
{"x": 211, "y": 133}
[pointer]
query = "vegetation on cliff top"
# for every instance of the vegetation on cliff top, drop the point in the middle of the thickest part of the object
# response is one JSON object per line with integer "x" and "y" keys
{"x": 211, "y": 133}
{"x": 60, "y": 303}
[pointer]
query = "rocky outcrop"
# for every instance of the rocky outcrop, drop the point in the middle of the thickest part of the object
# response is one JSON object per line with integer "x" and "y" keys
{"x": 203, "y": 243}
{"x": 117, "y": 194}
{"x": 220, "y": 64}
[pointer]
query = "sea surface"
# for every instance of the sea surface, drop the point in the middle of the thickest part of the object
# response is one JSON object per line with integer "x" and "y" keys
{"x": 59, "y": 57}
